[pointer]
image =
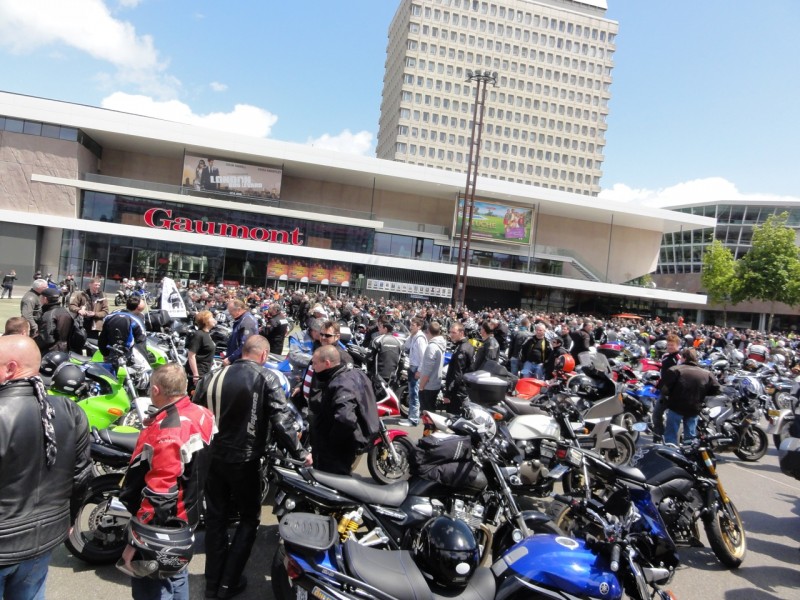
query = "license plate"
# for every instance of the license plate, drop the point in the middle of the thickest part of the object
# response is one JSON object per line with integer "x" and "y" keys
{"x": 557, "y": 472}
{"x": 774, "y": 413}
{"x": 279, "y": 497}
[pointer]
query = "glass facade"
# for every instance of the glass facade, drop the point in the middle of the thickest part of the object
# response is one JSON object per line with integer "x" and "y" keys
{"x": 682, "y": 252}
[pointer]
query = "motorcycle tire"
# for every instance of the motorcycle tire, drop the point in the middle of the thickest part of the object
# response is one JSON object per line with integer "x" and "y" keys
{"x": 81, "y": 541}
{"x": 119, "y": 301}
{"x": 131, "y": 419}
{"x": 401, "y": 392}
{"x": 753, "y": 444}
{"x": 380, "y": 464}
{"x": 623, "y": 451}
{"x": 782, "y": 434}
{"x": 281, "y": 584}
{"x": 726, "y": 535}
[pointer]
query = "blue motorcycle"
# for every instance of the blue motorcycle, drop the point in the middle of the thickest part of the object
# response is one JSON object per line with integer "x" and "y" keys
{"x": 311, "y": 561}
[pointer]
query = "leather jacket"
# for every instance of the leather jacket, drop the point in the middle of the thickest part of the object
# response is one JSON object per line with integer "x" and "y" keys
{"x": 35, "y": 501}
{"x": 460, "y": 363}
{"x": 246, "y": 399}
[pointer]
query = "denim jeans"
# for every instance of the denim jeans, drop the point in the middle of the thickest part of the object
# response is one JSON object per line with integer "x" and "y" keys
{"x": 514, "y": 366}
{"x": 530, "y": 369}
{"x": 173, "y": 588}
{"x": 25, "y": 580}
{"x": 674, "y": 421}
{"x": 413, "y": 395}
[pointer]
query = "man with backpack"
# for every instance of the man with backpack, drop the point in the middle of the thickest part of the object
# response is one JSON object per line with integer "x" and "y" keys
{"x": 56, "y": 325}
{"x": 347, "y": 416}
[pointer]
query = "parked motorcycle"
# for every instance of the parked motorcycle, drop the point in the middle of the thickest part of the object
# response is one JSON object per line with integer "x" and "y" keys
{"x": 682, "y": 482}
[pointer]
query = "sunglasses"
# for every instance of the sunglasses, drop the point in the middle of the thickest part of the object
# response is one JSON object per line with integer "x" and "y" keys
{"x": 327, "y": 335}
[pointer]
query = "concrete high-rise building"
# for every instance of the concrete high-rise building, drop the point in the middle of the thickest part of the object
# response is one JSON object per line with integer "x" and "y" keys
{"x": 544, "y": 123}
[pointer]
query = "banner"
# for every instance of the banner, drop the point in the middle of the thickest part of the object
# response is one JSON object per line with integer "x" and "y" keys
{"x": 277, "y": 267}
{"x": 206, "y": 173}
{"x": 496, "y": 222}
{"x": 171, "y": 300}
{"x": 318, "y": 272}
{"x": 298, "y": 269}
{"x": 409, "y": 288}
{"x": 339, "y": 274}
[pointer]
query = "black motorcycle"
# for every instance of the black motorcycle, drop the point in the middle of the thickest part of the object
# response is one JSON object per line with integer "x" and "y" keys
{"x": 683, "y": 484}
{"x": 468, "y": 476}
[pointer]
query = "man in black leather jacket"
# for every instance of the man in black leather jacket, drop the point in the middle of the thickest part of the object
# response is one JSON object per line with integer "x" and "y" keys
{"x": 455, "y": 389}
{"x": 489, "y": 350}
{"x": 347, "y": 417}
{"x": 246, "y": 400}
{"x": 44, "y": 468}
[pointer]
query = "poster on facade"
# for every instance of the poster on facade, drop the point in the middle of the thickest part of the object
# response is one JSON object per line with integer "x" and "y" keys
{"x": 497, "y": 222}
{"x": 171, "y": 300}
{"x": 220, "y": 176}
{"x": 278, "y": 267}
{"x": 339, "y": 274}
{"x": 318, "y": 272}
{"x": 298, "y": 269}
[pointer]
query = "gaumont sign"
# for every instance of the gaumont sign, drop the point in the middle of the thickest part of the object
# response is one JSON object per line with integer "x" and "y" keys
{"x": 161, "y": 218}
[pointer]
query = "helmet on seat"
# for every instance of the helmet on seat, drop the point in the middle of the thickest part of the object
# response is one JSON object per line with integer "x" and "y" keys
{"x": 68, "y": 379}
{"x": 50, "y": 362}
{"x": 446, "y": 551}
{"x": 750, "y": 365}
{"x": 750, "y": 387}
{"x": 161, "y": 551}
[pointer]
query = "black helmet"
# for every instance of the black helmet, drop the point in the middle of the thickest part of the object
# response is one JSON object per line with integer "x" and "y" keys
{"x": 161, "y": 551}
{"x": 446, "y": 551}
{"x": 581, "y": 385}
{"x": 50, "y": 361}
{"x": 68, "y": 379}
{"x": 750, "y": 365}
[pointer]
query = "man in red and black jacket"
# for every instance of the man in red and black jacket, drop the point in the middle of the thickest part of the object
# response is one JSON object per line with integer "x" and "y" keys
{"x": 168, "y": 469}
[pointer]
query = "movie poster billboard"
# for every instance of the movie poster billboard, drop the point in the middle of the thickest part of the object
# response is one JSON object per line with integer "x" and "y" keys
{"x": 277, "y": 267}
{"x": 318, "y": 271}
{"x": 220, "y": 176}
{"x": 339, "y": 274}
{"x": 298, "y": 269}
{"x": 497, "y": 222}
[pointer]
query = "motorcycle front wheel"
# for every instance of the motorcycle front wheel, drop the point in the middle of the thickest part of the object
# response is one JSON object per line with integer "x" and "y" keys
{"x": 753, "y": 444}
{"x": 97, "y": 537}
{"x": 119, "y": 301}
{"x": 383, "y": 468}
{"x": 628, "y": 420}
{"x": 726, "y": 535}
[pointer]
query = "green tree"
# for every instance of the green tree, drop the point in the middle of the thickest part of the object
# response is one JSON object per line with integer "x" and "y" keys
{"x": 769, "y": 271}
{"x": 719, "y": 276}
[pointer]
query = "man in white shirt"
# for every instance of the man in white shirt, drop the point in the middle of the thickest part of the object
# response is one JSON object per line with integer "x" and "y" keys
{"x": 415, "y": 346}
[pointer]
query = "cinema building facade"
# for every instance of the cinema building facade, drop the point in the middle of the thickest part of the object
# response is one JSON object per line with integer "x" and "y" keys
{"x": 95, "y": 192}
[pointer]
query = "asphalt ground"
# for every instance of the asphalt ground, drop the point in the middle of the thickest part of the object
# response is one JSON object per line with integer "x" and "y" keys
{"x": 768, "y": 501}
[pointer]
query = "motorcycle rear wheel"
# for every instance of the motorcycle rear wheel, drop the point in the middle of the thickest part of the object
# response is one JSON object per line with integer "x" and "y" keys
{"x": 83, "y": 541}
{"x": 628, "y": 420}
{"x": 382, "y": 467}
{"x": 753, "y": 444}
{"x": 119, "y": 301}
{"x": 726, "y": 535}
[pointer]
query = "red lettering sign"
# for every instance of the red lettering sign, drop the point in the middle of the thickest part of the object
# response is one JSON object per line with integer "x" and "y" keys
{"x": 161, "y": 218}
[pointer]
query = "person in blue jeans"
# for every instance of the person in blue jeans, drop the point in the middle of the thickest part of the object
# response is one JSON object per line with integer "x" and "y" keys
{"x": 415, "y": 346}
{"x": 686, "y": 386}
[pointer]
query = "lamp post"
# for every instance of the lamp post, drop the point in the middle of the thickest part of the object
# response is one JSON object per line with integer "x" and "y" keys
{"x": 482, "y": 78}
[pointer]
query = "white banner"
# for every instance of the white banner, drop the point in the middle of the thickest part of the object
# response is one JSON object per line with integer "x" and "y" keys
{"x": 171, "y": 300}
{"x": 409, "y": 288}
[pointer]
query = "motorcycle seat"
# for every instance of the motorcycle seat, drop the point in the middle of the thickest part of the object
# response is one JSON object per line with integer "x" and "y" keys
{"x": 371, "y": 493}
{"x": 126, "y": 441}
{"x": 74, "y": 357}
{"x": 396, "y": 574}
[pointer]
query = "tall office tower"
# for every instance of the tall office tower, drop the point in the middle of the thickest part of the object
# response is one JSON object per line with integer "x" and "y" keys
{"x": 544, "y": 122}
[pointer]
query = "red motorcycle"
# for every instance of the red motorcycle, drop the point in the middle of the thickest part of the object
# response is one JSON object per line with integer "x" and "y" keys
{"x": 388, "y": 459}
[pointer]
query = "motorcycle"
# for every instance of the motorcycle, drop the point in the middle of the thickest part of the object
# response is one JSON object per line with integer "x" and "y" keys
{"x": 470, "y": 477}
{"x": 735, "y": 414}
{"x": 682, "y": 483}
{"x": 389, "y": 456}
{"x": 312, "y": 559}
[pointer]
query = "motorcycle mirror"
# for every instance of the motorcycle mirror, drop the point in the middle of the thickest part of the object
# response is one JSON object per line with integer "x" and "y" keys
{"x": 641, "y": 427}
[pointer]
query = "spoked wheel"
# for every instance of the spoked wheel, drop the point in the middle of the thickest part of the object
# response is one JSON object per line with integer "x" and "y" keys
{"x": 726, "y": 535}
{"x": 753, "y": 444}
{"x": 98, "y": 536}
{"x": 382, "y": 466}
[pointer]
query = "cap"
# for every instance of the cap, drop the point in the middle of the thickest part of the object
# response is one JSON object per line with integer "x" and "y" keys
{"x": 51, "y": 293}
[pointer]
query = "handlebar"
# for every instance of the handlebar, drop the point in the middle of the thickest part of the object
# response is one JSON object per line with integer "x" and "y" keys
{"x": 614, "y": 562}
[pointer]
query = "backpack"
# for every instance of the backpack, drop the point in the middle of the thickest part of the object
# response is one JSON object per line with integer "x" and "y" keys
{"x": 368, "y": 421}
{"x": 77, "y": 335}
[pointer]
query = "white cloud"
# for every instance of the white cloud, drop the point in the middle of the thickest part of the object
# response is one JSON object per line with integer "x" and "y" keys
{"x": 244, "y": 119}
{"x": 87, "y": 26}
{"x": 697, "y": 190}
{"x": 129, "y": 3}
{"x": 218, "y": 87}
{"x": 352, "y": 143}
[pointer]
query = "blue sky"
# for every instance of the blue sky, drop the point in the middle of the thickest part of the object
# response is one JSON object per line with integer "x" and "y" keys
{"x": 703, "y": 98}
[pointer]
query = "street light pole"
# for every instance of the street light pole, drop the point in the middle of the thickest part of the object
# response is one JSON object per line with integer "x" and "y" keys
{"x": 482, "y": 78}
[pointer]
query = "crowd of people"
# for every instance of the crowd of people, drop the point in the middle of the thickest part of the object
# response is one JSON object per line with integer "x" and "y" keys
{"x": 211, "y": 443}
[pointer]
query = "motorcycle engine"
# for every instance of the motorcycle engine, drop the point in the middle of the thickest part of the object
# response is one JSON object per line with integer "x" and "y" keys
{"x": 672, "y": 510}
{"x": 472, "y": 513}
